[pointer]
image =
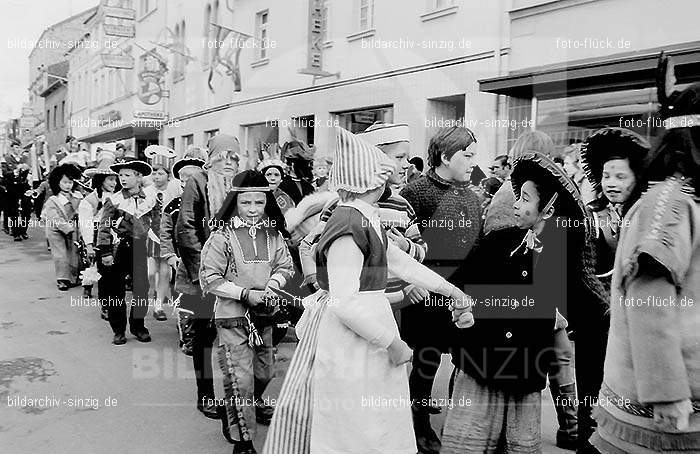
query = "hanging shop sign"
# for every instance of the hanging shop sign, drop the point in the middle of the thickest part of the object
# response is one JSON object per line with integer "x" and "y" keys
{"x": 152, "y": 69}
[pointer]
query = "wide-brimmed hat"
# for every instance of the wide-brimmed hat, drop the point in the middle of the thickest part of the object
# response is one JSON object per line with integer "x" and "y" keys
{"x": 611, "y": 143}
{"x": 541, "y": 169}
{"x": 135, "y": 164}
{"x": 359, "y": 166}
{"x": 194, "y": 156}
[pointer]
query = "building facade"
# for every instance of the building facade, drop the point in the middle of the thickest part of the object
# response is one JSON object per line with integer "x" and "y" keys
{"x": 46, "y": 56}
{"x": 55, "y": 97}
{"x": 269, "y": 70}
{"x": 575, "y": 66}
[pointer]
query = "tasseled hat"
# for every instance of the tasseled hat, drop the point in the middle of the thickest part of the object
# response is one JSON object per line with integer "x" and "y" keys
{"x": 358, "y": 166}
{"x": 160, "y": 155}
{"x": 611, "y": 143}
{"x": 223, "y": 143}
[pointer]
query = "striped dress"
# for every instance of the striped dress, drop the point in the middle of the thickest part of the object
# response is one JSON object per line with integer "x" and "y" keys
{"x": 290, "y": 429}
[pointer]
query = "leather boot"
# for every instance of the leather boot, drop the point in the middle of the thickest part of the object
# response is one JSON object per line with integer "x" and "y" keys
{"x": 565, "y": 404}
{"x": 426, "y": 438}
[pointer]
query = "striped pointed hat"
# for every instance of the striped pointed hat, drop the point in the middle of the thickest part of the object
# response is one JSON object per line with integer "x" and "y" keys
{"x": 358, "y": 166}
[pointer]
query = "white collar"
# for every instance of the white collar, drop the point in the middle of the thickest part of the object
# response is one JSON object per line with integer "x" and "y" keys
{"x": 369, "y": 211}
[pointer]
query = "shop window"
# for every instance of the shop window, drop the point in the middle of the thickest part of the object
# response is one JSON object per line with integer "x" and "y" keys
{"x": 171, "y": 143}
{"x": 260, "y": 134}
{"x": 571, "y": 120}
{"x": 519, "y": 113}
{"x": 303, "y": 128}
{"x": 358, "y": 120}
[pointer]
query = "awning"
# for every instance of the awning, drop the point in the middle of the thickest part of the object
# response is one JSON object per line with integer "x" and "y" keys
{"x": 625, "y": 71}
{"x": 121, "y": 133}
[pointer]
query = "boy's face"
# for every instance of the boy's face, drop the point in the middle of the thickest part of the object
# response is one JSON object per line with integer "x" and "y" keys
{"x": 160, "y": 176}
{"x": 459, "y": 167}
{"x": 527, "y": 206}
{"x": 398, "y": 152}
{"x": 618, "y": 180}
{"x": 251, "y": 206}
{"x": 129, "y": 178}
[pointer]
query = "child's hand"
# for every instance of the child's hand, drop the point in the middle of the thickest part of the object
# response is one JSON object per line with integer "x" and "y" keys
{"x": 461, "y": 308}
{"x": 255, "y": 297}
{"x": 399, "y": 352}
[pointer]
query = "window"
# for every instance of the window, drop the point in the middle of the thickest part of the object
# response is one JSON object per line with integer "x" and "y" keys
{"x": 187, "y": 141}
{"x": 48, "y": 118}
{"x": 103, "y": 89}
{"x": 176, "y": 57}
{"x": 171, "y": 143}
{"x": 366, "y": 14}
{"x": 261, "y": 33}
{"x": 63, "y": 113}
{"x": 358, "y": 120}
{"x": 146, "y": 7}
{"x": 55, "y": 116}
{"x": 209, "y": 134}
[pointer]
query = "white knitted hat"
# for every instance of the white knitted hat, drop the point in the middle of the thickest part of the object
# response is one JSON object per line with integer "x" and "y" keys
{"x": 358, "y": 166}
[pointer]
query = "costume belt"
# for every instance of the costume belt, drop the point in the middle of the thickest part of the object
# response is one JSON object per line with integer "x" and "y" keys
{"x": 633, "y": 408}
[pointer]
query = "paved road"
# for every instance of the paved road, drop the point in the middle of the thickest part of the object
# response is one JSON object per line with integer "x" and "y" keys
{"x": 136, "y": 398}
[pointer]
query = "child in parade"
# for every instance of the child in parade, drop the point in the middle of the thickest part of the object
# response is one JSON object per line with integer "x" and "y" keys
{"x": 60, "y": 214}
{"x": 651, "y": 382}
{"x": 244, "y": 257}
{"x": 543, "y": 263}
{"x": 613, "y": 160}
{"x": 191, "y": 162}
{"x": 350, "y": 349}
{"x": 128, "y": 215}
{"x": 105, "y": 182}
{"x": 161, "y": 188}
{"x": 273, "y": 168}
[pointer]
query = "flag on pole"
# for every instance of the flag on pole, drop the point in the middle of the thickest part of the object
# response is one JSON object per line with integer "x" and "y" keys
{"x": 229, "y": 59}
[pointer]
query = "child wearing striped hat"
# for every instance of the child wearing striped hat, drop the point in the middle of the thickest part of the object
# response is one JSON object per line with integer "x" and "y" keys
{"x": 347, "y": 388}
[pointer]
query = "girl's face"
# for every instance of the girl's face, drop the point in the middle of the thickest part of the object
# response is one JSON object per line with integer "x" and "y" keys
{"x": 251, "y": 205}
{"x": 526, "y": 208}
{"x": 571, "y": 166}
{"x": 110, "y": 183}
{"x": 160, "y": 176}
{"x": 66, "y": 184}
{"x": 459, "y": 167}
{"x": 273, "y": 176}
{"x": 618, "y": 180}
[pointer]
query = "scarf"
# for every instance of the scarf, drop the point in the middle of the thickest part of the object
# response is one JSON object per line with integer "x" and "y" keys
{"x": 218, "y": 186}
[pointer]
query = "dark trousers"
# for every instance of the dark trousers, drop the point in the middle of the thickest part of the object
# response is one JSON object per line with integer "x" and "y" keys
{"x": 203, "y": 341}
{"x": 129, "y": 258}
{"x": 590, "y": 346}
{"x": 18, "y": 210}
